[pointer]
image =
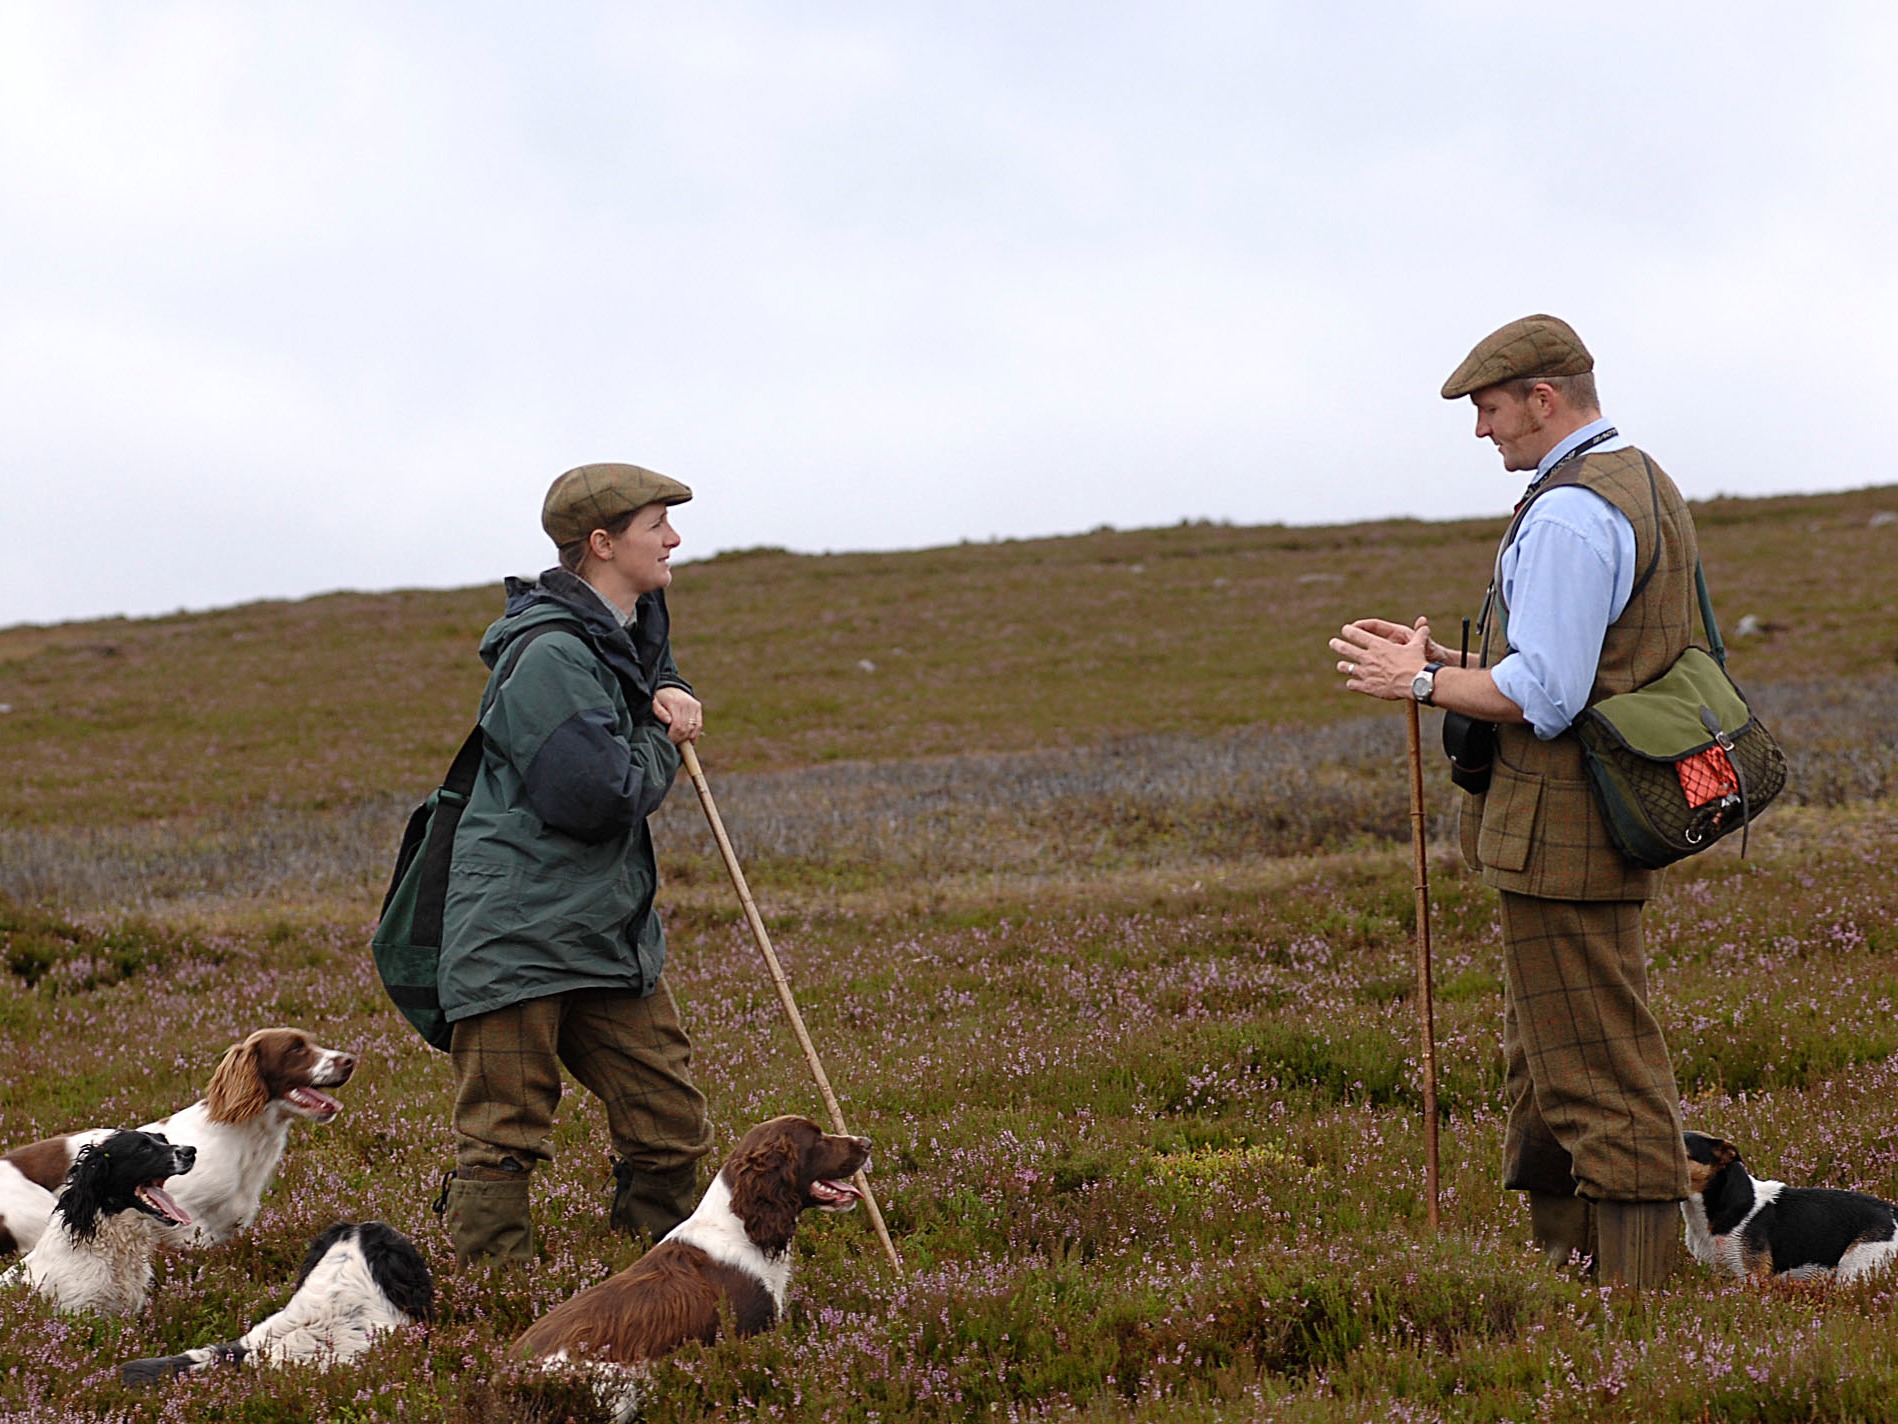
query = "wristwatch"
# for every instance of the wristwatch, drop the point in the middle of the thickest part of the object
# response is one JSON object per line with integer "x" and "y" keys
{"x": 1424, "y": 685}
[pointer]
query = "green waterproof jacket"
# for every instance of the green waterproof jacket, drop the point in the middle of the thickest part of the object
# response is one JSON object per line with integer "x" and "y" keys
{"x": 553, "y": 875}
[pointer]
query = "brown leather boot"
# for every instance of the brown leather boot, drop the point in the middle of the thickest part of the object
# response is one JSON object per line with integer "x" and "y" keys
{"x": 1562, "y": 1226}
{"x": 1640, "y": 1242}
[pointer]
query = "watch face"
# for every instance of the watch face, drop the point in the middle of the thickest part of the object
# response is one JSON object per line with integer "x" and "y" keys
{"x": 1422, "y": 685}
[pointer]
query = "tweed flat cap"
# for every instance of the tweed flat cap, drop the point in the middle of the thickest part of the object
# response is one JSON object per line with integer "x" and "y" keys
{"x": 1531, "y": 346}
{"x": 590, "y": 496}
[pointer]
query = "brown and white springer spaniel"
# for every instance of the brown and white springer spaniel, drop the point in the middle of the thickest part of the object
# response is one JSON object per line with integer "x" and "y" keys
{"x": 239, "y": 1129}
{"x": 732, "y": 1257}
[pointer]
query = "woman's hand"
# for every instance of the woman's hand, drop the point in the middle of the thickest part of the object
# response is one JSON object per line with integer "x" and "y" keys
{"x": 683, "y": 714}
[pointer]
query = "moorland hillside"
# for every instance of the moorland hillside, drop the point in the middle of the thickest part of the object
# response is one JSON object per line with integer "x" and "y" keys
{"x": 1096, "y": 893}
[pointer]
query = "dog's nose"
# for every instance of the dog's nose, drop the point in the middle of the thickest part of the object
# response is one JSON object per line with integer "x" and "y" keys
{"x": 186, "y": 1156}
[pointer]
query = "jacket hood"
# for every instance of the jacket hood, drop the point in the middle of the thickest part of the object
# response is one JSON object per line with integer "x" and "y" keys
{"x": 633, "y": 653}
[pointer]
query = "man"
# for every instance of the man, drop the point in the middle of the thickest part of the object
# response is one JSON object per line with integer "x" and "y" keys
{"x": 1593, "y": 595}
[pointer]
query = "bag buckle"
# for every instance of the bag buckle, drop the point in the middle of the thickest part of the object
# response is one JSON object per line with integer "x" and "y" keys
{"x": 1738, "y": 794}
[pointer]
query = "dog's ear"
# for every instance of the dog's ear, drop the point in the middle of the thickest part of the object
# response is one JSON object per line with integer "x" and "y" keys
{"x": 766, "y": 1193}
{"x": 82, "y": 1199}
{"x": 237, "y": 1092}
{"x": 400, "y": 1271}
{"x": 1724, "y": 1153}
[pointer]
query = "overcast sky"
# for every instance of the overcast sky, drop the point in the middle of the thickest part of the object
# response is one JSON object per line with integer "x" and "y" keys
{"x": 306, "y": 296}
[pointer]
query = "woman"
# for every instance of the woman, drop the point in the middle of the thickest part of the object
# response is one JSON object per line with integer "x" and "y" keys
{"x": 551, "y": 951}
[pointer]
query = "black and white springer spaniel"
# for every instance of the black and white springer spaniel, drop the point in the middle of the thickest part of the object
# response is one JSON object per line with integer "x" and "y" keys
{"x": 356, "y": 1283}
{"x": 96, "y": 1252}
{"x": 239, "y": 1128}
{"x": 731, "y": 1259}
{"x": 1739, "y": 1223}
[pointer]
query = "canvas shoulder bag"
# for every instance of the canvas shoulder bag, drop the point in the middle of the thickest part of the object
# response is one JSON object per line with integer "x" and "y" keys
{"x": 1682, "y": 762}
{"x": 407, "y": 942}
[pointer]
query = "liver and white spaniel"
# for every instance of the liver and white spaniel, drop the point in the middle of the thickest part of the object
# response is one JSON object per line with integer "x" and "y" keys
{"x": 96, "y": 1252}
{"x": 730, "y": 1259}
{"x": 239, "y": 1129}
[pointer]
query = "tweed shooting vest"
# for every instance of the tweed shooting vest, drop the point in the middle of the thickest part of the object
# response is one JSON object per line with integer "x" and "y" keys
{"x": 1538, "y": 830}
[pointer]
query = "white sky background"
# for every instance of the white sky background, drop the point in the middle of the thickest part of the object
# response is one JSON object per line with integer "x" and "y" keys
{"x": 301, "y": 296}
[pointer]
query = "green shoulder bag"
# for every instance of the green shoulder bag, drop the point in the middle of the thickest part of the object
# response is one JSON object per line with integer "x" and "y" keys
{"x": 1682, "y": 762}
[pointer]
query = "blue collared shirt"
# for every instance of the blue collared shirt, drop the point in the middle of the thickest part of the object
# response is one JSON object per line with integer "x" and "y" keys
{"x": 1565, "y": 577}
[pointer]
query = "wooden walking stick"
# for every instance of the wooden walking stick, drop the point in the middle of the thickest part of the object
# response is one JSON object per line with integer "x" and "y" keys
{"x": 1425, "y": 1010}
{"x": 783, "y": 986}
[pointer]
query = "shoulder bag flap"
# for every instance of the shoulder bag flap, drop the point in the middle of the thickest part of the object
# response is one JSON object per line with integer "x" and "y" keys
{"x": 1679, "y": 713}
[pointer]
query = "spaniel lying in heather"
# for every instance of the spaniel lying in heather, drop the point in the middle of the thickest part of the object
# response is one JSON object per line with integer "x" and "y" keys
{"x": 730, "y": 1259}
{"x": 356, "y": 1283}
{"x": 96, "y": 1252}
{"x": 1739, "y": 1223}
{"x": 239, "y": 1129}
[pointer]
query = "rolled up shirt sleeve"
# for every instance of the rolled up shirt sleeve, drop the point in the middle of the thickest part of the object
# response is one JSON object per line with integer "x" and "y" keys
{"x": 1566, "y": 577}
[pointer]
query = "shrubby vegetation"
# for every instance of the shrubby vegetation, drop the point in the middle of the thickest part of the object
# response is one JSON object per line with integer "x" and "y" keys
{"x": 1130, "y": 1018}
{"x": 1264, "y": 791}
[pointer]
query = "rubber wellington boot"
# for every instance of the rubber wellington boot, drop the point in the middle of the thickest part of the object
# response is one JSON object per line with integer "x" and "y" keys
{"x": 1639, "y": 1242}
{"x": 487, "y": 1216}
{"x": 648, "y": 1203}
{"x": 1562, "y": 1226}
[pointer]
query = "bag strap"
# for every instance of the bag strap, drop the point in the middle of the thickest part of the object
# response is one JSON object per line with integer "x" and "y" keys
{"x": 438, "y": 850}
{"x": 461, "y": 772}
{"x": 1654, "y": 554}
{"x": 1719, "y": 650}
{"x": 1559, "y": 478}
{"x": 1707, "y": 621}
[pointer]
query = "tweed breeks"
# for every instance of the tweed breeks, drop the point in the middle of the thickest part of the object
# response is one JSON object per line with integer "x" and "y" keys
{"x": 1593, "y": 1107}
{"x": 629, "y": 1052}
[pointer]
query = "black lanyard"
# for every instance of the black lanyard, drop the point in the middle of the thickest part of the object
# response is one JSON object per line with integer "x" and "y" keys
{"x": 1582, "y": 449}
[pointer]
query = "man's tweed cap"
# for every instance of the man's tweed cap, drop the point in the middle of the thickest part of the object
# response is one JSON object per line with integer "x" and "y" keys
{"x": 1531, "y": 346}
{"x": 589, "y": 497}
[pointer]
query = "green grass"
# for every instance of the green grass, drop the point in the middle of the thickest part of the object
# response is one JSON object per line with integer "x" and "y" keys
{"x": 1121, "y": 985}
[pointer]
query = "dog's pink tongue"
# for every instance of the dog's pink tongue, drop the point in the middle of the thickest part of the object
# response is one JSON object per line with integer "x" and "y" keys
{"x": 316, "y": 1102}
{"x": 164, "y": 1201}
